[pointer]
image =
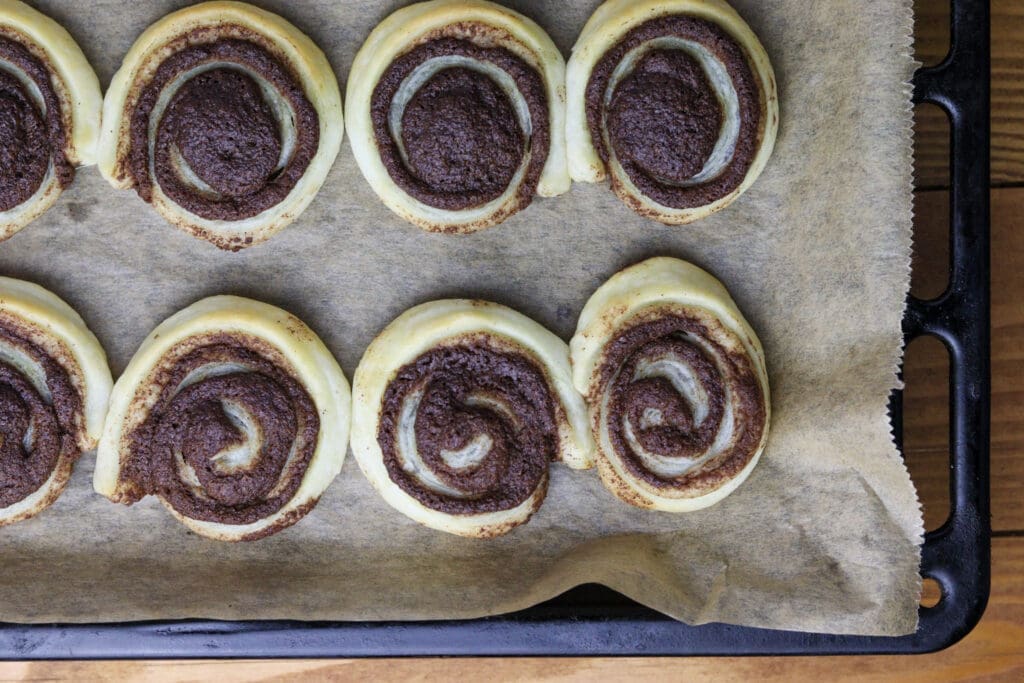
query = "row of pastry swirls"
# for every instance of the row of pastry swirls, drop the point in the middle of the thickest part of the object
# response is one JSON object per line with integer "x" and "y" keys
{"x": 237, "y": 417}
{"x": 227, "y": 118}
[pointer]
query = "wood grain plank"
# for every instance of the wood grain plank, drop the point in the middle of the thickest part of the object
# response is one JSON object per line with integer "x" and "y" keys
{"x": 994, "y": 651}
{"x": 1007, "y": 91}
{"x": 931, "y": 146}
{"x": 925, "y": 412}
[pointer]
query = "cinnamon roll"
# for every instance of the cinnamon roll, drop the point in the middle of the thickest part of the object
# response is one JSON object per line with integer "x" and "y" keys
{"x": 226, "y": 118}
{"x": 676, "y": 383}
{"x": 233, "y": 413}
{"x": 674, "y": 101}
{"x": 457, "y": 114}
{"x": 49, "y": 113}
{"x": 460, "y": 407}
{"x": 54, "y": 388}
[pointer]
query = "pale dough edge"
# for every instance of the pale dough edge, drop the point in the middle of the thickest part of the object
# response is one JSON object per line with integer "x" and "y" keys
{"x": 74, "y": 70}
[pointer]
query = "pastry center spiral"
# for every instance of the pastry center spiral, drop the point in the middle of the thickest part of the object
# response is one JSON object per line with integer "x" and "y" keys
{"x": 38, "y": 405}
{"x": 31, "y": 127}
{"x": 459, "y": 126}
{"x": 460, "y": 133}
{"x": 675, "y": 110}
{"x": 469, "y": 428}
{"x": 678, "y": 404}
{"x": 227, "y": 132}
{"x": 229, "y": 438}
{"x": 224, "y": 129}
{"x": 665, "y": 117}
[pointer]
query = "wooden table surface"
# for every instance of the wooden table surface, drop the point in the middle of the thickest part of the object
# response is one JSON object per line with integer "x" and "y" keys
{"x": 995, "y": 649}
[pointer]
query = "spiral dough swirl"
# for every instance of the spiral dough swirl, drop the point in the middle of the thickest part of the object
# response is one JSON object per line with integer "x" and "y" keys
{"x": 676, "y": 384}
{"x": 54, "y": 389}
{"x": 461, "y": 406}
{"x": 687, "y": 77}
{"x": 226, "y": 118}
{"x": 39, "y": 414}
{"x": 674, "y": 101}
{"x": 50, "y": 105}
{"x": 229, "y": 438}
{"x": 31, "y": 127}
{"x": 678, "y": 408}
{"x": 459, "y": 125}
{"x": 468, "y": 429}
{"x": 457, "y": 113}
{"x": 225, "y": 130}
{"x": 233, "y": 413}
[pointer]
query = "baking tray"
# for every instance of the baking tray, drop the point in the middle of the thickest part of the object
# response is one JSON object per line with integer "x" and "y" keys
{"x": 592, "y": 620}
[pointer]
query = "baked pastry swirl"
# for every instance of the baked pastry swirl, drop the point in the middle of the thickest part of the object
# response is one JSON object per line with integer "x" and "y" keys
{"x": 460, "y": 407}
{"x": 54, "y": 388}
{"x": 226, "y": 118}
{"x": 49, "y": 113}
{"x": 457, "y": 114}
{"x": 233, "y": 413}
{"x": 676, "y": 384}
{"x": 674, "y": 101}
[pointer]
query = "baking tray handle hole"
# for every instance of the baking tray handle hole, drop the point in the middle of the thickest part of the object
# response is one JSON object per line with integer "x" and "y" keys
{"x": 932, "y": 143}
{"x": 931, "y": 593}
{"x": 932, "y": 38}
{"x": 926, "y": 415}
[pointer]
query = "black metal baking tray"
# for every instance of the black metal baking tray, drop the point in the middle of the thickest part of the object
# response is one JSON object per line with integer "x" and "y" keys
{"x": 592, "y": 620}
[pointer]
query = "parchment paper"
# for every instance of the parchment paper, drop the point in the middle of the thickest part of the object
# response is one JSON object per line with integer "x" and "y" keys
{"x": 824, "y": 536}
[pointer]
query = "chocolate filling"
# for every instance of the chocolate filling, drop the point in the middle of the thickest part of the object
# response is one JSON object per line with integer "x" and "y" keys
{"x": 662, "y": 419}
{"x": 225, "y": 130}
{"x": 664, "y": 117}
{"x": 190, "y": 449}
{"x": 220, "y": 125}
{"x": 29, "y": 139}
{"x": 35, "y": 433}
{"x": 462, "y": 139}
{"x": 470, "y": 392}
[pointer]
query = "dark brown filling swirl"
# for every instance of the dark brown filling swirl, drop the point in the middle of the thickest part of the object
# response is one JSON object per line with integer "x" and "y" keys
{"x": 671, "y": 390}
{"x": 664, "y": 117}
{"x": 462, "y": 140}
{"x": 229, "y": 445}
{"x": 37, "y": 432}
{"x": 479, "y": 422}
{"x": 221, "y": 128}
{"x": 31, "y": 136}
